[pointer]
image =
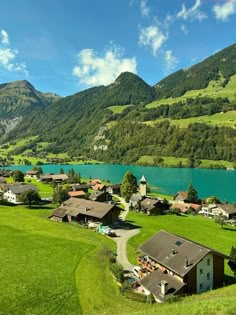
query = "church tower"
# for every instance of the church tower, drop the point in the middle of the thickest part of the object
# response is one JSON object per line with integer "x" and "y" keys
{"x": 143, "y": 186}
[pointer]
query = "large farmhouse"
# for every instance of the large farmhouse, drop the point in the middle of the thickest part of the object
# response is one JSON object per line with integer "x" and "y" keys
{"x": 82, "y": 210}
{"x": 173, "y": 265}
{"x": 12, "y": 192}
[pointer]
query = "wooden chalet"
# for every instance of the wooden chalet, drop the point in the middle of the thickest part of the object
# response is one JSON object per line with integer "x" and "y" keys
{"x": 179, "y": 266}
{"x": 85, "y": 211}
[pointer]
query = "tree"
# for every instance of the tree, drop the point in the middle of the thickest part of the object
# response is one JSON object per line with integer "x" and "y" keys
{"x": 60, "y": 194}
{"x": 232, "y": 261}
{"x": 128, "y": 185}
{"x": 220, "y": 219}
{"x": 18, "y": 176}
{"x": 192, "y": 195}
{"x": 30, "y": 196}
{"x": 38, "y": 169}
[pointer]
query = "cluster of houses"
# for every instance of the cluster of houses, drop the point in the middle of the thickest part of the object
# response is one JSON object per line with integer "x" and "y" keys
{"x": 169, "y": 265}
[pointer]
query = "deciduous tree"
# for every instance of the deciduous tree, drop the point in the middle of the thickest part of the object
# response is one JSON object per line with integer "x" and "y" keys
{"x": 30, "y": 196}
{"x": 128, "y": 185}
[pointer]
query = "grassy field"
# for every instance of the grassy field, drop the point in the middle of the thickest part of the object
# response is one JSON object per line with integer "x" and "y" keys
{"x": 53, "y": 268}
{"x": 220, "y": 119}
{"x": 118, "y": 109}
{"x": 213, "y": 90}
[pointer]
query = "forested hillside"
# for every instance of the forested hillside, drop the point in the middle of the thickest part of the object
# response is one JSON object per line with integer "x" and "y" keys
{"x": 124, "y": 121}
{"x": 197, "y": 77}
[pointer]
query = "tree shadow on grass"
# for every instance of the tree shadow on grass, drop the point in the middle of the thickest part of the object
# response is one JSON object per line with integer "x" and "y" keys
{"x": 229, "y": 229}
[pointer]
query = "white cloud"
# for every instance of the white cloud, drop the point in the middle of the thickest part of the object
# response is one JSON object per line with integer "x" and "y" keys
{"x": 184, "y": 29}
{"x": 95, "y": 70}
{"x": 4, "y": 37}
{"x": 223, "y": 11}
{"x": 8, "y": 56}
{"x": 192, "y": 13}
{"x": 144, "y": 8}
{"x": 171, "y": 60}
{"x": 152, "y": 37}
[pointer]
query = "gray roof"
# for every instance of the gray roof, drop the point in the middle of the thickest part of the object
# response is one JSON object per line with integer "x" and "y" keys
{"x": 160, "y": 247}
{"x": 20, "y": 188}
{"x": 227, "y": 208}
{"x": 95, "y": 194}
{"x": 74, "y": 206}
{"x": 136, "y": 197}
{"x": 152, "y": 283}
{"x": 149, "y": 203}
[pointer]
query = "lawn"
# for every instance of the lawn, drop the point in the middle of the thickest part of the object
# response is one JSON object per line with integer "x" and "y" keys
{"x": 168, "y": 160}
{"x": 52, "y": 268}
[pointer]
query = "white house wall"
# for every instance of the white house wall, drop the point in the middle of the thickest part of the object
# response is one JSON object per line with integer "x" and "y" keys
{"x": 204, "y": 272}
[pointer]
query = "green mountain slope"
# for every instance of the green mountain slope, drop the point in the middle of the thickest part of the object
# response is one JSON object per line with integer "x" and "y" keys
{"x": 198, "y": 76}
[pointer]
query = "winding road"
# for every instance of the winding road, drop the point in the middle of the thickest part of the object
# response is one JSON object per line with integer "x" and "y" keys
{"x": 123, "y": 235}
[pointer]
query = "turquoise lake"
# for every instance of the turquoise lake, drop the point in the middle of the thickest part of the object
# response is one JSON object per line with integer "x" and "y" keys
{"x": 220, "y": 183}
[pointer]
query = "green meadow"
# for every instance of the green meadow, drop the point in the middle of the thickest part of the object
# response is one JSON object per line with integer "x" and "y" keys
{"x": 213, "y": 90}
{"x": 54, "y": 268}
{"x": 227, "y": 119}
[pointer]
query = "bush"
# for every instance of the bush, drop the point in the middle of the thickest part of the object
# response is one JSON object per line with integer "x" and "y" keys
{"x": 117, "y": 271}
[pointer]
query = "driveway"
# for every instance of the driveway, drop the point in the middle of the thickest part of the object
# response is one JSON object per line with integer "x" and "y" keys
{"x": 123, "y": 235}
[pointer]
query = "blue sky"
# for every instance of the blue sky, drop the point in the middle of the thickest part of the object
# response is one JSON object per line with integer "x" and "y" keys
{"x": 67, "y": 46}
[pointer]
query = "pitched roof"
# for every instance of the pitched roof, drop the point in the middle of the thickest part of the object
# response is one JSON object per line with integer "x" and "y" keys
{"x": 149, "y": 203}
{"x": 76, "y": 193}
{"x": 143, "y": 179}
{"x": 136, "y": 197}
{"x": 152, "y": 283}
{"x": 182, "y": 194}
{"x": 87, "y": 207}
{"x": 227, "y": 208}
{"x": 81, "y": 186}
{"x": 20, "y": 188}
{"x": 160, "y": 248}
{"x": 98, "y": 186}
{"x": 95, "y": 194}
{"x": 60, "y": 177}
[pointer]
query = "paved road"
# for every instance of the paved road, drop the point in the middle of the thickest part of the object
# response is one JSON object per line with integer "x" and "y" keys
{"x": 123, "y": 235}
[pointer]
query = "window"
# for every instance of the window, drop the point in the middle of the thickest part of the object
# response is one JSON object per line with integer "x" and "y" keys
{"x": 201, "y": 286}
{"x": 208, "y": 261}
{"x": 201, "y": 271}
{"x": 178, "y": 243}
{"x": 208, "y": 276}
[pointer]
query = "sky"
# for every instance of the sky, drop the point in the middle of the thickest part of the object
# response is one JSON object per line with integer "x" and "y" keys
{"x": 66, "y": 46}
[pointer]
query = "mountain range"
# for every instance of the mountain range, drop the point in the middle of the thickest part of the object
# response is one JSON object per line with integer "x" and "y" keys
{"x": 128, "y": 119}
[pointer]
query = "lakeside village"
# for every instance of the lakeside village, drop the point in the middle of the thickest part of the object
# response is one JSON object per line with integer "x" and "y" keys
{"x": 168, "y": 265}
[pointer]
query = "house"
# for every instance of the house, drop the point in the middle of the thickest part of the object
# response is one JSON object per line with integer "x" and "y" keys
{"x": 100, "y": 187}
{"x": 152, "y": 206}
{"x": 81, "y": 187}
{"x": 12, "y": 192}
{"x": 77, "y": 194}
{"x": 225, "y": 209}
{"x": 181, "y": 196}
{"x": 58, "y": 178}
{"x": 101, "y": 196}
{"x": 93, "y": 182}
{"x": 32, "y": 174}
{"x": 178, "y": 266}
{"x": 135, "y": 200}
{"x": 114, "y": 189}
{"x": 185, "y": 207}
{"x": 85, "y": 211}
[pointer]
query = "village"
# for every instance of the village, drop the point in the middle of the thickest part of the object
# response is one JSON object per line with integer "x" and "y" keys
{"x": 168, "y": 265}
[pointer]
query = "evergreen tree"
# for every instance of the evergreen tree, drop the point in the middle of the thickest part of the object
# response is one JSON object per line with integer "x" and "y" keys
{"x": 192, "y": 194}
{"x": 128, "y": 185}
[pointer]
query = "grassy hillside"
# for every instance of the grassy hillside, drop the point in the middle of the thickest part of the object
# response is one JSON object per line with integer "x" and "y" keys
{"x": 227, "y": 119}
{"x": 214, "y": 90}
{"x": 118, "y": 109}
{"x": 59, "y": 269}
